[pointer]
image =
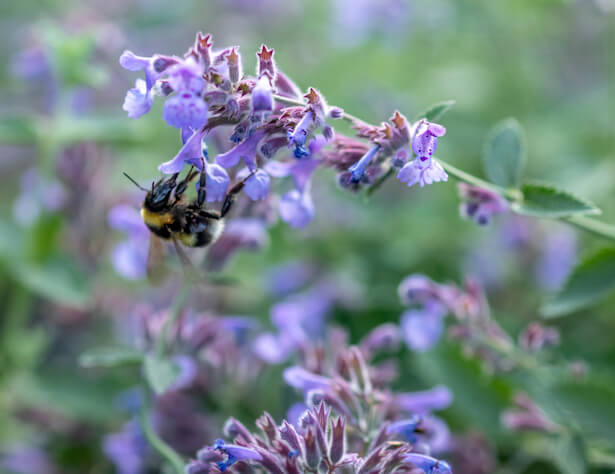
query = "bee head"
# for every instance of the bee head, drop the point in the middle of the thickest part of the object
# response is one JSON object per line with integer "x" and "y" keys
{"x": 158, "y": 198}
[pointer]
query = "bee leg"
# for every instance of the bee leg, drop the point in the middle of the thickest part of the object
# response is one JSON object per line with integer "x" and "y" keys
{"x": 202, "y": 194}
{"x": 182, "y": 185}
{"x": 232, "y": 194}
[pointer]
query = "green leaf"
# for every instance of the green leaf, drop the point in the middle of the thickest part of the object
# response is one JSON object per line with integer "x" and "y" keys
{"x": 591, "y": 281}
{"x": 436, "y": 111}
{"x": 504, "y": 155}
{"x": 57, "y": 279}
{"x": 542, "y": 200}
{"x": 110, "y": 357}
{"x": 568, "y": 453}
{"x": 160, "y": 372}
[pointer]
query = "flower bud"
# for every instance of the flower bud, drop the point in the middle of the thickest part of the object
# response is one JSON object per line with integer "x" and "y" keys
{"x": 338, "y": 440}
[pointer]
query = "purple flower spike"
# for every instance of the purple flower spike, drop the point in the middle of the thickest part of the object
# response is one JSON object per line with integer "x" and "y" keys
{"x": 305, "y": 381}
{"x": 428, "y": 464}
{"x": 423, "y": 328}
{"x": 217, "y": 182}
{"x": 422, "y": 172}
{"x": 358, "y": 169}
{"x": 296, "y": 209}
{"x": 185, "y": 110}
{"x": 246, "y": 151}
{"x": 257, "y": 185}
{"x": 438, "y": 398}
{"x": 191, "y": 153}
{"x": 129, "y": 258}
{"x": 138, "y": 100}
{"x": 425, "y": 139}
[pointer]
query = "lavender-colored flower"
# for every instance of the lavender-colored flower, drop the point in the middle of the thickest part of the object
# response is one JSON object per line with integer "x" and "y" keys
{"x": 358, "y": 169}
{"x": 527, "y": 417}
{"x": 422, "y": 328}
{"x": 437, "y": 398}
{"x": 138, "y": 100}
{"x": 191, "y": 153}
{"x": 296, "y": 209}
{"x": 185, "y": 109}
{"x": 422, "y": 172}
{"x": 127, "y": 449}
{"x": 559, "y": 254}
{"x": 37, "y": 194}
{"x": 262, "y": 98}
{"x": 289, "y": 276}
{"x": 239, "y": 234}
{"x": 217, "y": 182}
{"x": 300, "y": 133}
{"x": 305, "y": 381}
{"x": 428, "y": 464}
{"x": 26, "y": 459}
{"x": 257, "y": 185}
{"x": 129, "y": 257}
{"x": 246, "y": 151}
{"x": 479, "y": 204}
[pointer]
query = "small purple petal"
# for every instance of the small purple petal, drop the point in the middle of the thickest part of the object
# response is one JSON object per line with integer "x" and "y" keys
{"x": 422, "y": 329}
{"x": 426, "y": 401}
{"x": 296, "y": 209}
{"x": 191, "y": 152}
{"x": 186, "y": 76}
{"x": 262, "y": 97}
{"x": 129, "y": 258}
{"x": 217, "y": 182}
{"x": 132, "y": 62}
{"x": 422, "y": 172}
{"x": 271, "y": 349}
{"x": 257, "y": 185}
{"x": 246, "y": 151}
{"x": 128, "y": 219}
{"x": 428, "y": 464}
{"x": 185, "y": 110}
{"x": 305, "y": 381}
{"x": 138, "y": 100}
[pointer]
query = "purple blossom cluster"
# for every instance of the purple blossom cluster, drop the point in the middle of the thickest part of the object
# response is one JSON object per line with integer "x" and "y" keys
{"x": 206, "y": 93}
{"x": 481, "y": 335}
{"x": 350, "y": 423}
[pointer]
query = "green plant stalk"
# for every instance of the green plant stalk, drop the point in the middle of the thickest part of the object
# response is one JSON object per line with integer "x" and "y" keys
{"x": 588, "y": 224}
{"x": 162, "y": 448}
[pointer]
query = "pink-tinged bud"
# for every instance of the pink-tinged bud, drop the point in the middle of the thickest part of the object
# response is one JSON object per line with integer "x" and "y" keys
{"x": 268, "y": 426}
{"x": 359, "y": 370}
{"x": 338, "y": 440}
{"x": 312, "y": 453}
{"x": 289, "y": 434}
{"x": 265, "y": 62}
{"x": 202, "y": 47}
{"x": 336, "y": 113}
{"x": 536, "y": 337}
{"x": 383, "y": 337}
{"x": 372, "y": 461}
{"x": 237, "y": 431}
{"x": 235, "y": 70}
{"x": 269, "y": 462}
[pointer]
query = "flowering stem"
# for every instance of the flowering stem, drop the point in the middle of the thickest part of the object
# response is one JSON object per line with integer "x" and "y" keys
{"x": 162, "y": 448}
{"x": 587, "y": 224}
{"x": 178, "y": 305}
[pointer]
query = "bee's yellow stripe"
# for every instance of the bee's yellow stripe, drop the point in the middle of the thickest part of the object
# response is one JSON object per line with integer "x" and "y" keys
{"x": 154, "y": 219}
{"x": 189, "y": 240}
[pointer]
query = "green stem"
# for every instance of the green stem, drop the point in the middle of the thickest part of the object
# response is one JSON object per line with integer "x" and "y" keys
{"x": 176, "y": 309}
{"x": 587, "y": 224}
{"x": 162, "y": 448}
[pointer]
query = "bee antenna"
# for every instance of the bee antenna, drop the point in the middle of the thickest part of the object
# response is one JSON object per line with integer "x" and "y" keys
{"x": 135, "y": 183}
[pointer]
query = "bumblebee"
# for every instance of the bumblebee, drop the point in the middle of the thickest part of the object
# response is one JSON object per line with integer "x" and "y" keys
{"x": 170, "y": 216}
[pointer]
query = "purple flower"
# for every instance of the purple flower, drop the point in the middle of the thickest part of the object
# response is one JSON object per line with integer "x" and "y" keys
{"x": 358, "y": 169}
{"x": 479, "y": 204}
{"x": 138, "y": 100}
{"x": 186, "y": 76}
{"x": 424, "y": 402}
{"x": 239, "y": 233}
{"x": 296, "y": 209}
{"x": 26, "y": 459}
{"x": 185, "y": 109}
{"x": 37, "y": 194}
{"x": 217, "y": 182}
{"x": 422, "y": 328}
{"x": 191, "y": 153}
{"x": 127, "y": 449}
{"x": 299, "y": 135}
{"x": 425, "y": 139}
{"x": 559, "y": 253}
{"x": 257, "y": 185}
{"x": 428, "y": 464}
{"x": 129, "y": 257}
{"x": 305, "y": 381}
{"x": 262, "y": 98}
{"x": 422, "y": 172}
{"x": 406, "y": 428}
{"x": 246, "y": 151}
{"x": 289, "y": 276}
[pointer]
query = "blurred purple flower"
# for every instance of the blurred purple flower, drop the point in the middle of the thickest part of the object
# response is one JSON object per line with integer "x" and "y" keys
{"x": 479, "y": 204}
{"x": 424, "y": 402}
{"x": 127, "y": 449}
{"x": 37, "y": 194}
{"x": 129, "y": 258}
{"x": 289, "y": 276}
{"x": 422, "y": 328}
{"x": 26, "y": 459}
{"x": 428, "y": 464}
{"x": 240, "y": 233}
{"x": 305, "y": 381}
{"x": 559, "y": 254}
{"x": 296, "y": 209}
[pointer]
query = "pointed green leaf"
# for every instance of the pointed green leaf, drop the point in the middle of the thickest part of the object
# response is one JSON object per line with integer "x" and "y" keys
{"x": 504, "y": 155}
{"x": 546, "y": 201}
{"x": 110, "y": 357}
{"x": 568, "y": 453}
{"x": 436, "y": 111}
{"x": 591, "y": 281}
{"x": 160, "y": 373}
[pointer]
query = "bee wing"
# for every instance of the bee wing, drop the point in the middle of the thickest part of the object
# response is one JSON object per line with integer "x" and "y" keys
{"x": 156, "y": 258}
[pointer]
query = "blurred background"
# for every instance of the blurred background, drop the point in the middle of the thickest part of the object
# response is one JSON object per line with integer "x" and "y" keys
{"x": 65, "y": 141}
